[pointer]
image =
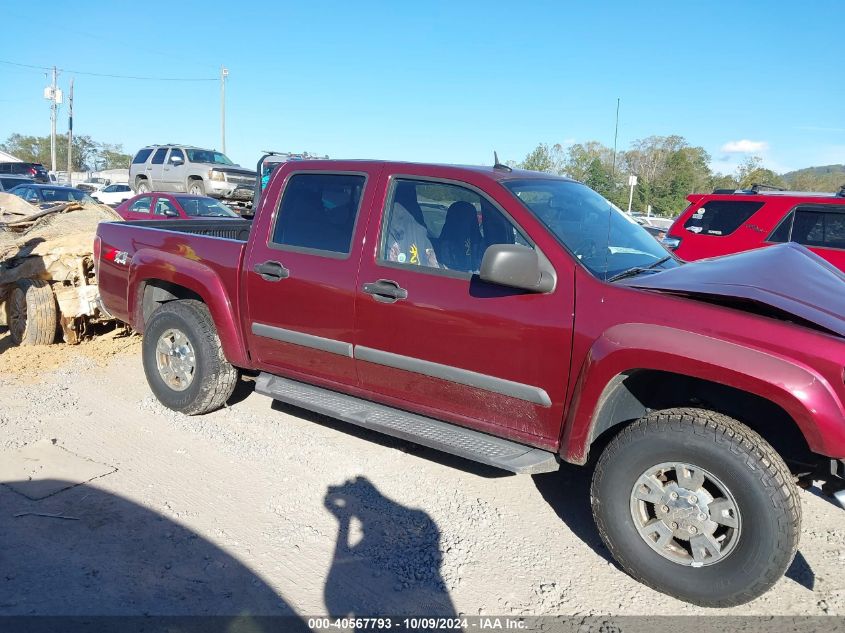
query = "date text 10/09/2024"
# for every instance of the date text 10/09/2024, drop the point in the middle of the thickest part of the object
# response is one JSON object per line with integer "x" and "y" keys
{"x": 416, "y": 624}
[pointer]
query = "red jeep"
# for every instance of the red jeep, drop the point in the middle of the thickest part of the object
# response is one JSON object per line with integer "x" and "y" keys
{"x": 725, "y": 222}
{"x": 516, "y": 319}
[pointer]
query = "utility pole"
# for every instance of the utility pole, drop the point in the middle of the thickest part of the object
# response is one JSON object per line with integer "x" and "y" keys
{"x": 70, "y": 135}
{"x": 54, "y": 106}
{"x": 224, "y": 72}
{"x": 615, "y": 137}
{"x": 632, "y": 182}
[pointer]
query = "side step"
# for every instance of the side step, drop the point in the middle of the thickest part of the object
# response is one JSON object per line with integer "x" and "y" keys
{"x": 419, "y": 429}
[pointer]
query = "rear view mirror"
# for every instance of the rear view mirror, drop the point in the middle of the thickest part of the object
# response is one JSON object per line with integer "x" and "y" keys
{"x": 516, "y": 266}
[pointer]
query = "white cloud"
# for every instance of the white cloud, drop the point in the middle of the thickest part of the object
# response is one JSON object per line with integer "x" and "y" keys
{"x": 745, "y": 146}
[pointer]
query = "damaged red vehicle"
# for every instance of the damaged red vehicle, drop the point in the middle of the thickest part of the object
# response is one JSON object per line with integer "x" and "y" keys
{"x": 519, "y": 320}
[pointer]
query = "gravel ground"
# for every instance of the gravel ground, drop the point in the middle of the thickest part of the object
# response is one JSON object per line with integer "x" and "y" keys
{"x": 263, "y": 508}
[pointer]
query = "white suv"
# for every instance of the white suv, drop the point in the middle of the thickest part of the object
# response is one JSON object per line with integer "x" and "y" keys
{"x": 187, "y": 169}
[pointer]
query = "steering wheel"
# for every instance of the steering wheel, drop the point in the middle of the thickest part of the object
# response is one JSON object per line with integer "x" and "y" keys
{"x": 586, "y": 248}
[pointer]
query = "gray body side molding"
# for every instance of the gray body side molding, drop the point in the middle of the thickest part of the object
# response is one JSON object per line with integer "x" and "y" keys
{"x": 509, "y": 388}
{"x": 306, "y": 340}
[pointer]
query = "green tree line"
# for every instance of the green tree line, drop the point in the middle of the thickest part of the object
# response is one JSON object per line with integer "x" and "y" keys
{"x": 88, "y": 154}
{"x": 668, "y": 169}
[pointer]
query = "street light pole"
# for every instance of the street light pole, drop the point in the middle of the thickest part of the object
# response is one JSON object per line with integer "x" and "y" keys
{"x": 224, "y": 72}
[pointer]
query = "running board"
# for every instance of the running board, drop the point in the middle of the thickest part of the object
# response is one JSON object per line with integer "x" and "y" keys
{"x": 449, "y": 438}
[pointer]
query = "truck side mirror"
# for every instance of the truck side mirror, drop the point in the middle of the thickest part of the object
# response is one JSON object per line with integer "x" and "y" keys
{"x": 176, "y": 160}
{"x": 517, "y": 266}
{"x": 170, "y": 213}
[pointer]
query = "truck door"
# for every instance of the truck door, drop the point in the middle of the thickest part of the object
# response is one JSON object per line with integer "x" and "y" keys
{"x": 432, "y": 337}
{"x": 300, "y": 276}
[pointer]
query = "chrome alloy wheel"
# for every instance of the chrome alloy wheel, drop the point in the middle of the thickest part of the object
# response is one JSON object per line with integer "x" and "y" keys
{"x": 175, "y": 359}
{"x": 685, "y": 514}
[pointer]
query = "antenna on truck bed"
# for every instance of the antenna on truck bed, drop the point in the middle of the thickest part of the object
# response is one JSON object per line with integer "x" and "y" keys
{"x": 497, "y": 164}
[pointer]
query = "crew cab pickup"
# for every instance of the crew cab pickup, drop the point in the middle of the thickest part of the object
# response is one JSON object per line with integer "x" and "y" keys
{"x": 519, "y": 320}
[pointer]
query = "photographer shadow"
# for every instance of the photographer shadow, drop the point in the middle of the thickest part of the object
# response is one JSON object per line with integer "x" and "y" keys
{"x": 387, "y": 557}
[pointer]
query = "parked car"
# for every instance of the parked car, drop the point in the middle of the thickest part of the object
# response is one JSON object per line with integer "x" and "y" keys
{"x": 113, "y": 194}
{"x": 49, "y": 194}
{"x": 95, "y": 183}
{"x": 10, "y": 182}
{"x": 193, "y": 170}
{"x": 165, "y": 206}
{"x": 438, "y": 304}
{"x": 35, "y": 171}
{"x": 730, "y": 222}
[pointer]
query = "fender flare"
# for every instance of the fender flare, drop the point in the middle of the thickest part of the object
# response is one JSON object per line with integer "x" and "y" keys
{"x": 803, "y": 394}
{"x": 149, "y": 265}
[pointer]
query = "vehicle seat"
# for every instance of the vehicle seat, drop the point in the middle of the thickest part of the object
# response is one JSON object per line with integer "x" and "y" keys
{"x": 459, "y": 246}
{"x": 303, "y": 225}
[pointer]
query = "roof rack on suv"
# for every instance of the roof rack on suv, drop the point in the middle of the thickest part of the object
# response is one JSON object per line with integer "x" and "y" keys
{"x": 779, "y": 192}
{"x": 756, "y": 187}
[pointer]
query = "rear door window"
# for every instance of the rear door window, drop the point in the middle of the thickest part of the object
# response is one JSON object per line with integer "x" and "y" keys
{"x": 721, "y": 217}
{"x": 318, "y": 212}
{"x": 158, "y": 157}
{"x": 820, "y": 228}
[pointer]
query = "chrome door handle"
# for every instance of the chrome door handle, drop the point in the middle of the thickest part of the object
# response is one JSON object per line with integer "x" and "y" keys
{"x": 386, "y": 291}
{"x": 272, "y": 271}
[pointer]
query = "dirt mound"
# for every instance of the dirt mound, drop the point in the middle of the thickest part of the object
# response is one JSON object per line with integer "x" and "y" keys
{"x": 30, "y": 363}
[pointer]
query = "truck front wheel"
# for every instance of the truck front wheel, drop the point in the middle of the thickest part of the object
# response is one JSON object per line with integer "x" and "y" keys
{"x": 31, "y": 313}
{"x": 184, "y": 361}
{"x": 698, "y": 506}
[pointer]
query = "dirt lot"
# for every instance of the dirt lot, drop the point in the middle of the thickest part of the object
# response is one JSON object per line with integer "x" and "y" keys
{"x": 260, "y": 508}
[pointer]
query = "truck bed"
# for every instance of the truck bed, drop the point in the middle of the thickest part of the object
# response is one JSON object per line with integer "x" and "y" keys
{"x": 183, "y": 252}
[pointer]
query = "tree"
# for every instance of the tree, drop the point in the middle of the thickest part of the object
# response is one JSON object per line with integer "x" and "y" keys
{"x": 751, "y": 172}
{"x": 544, "y": 158}
{"x": 88, "y": 155}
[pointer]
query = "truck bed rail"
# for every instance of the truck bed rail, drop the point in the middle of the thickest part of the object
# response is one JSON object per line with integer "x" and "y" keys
{"x": 233, "y": 229}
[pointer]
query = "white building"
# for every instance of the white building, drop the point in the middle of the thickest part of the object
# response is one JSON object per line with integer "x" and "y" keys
{"x": 8, "y": 158}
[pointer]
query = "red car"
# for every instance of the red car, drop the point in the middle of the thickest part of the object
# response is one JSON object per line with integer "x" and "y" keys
{"x": 167, "y": 206}
{"x": 720, "y": 223}
{"x": 516, "y": 319}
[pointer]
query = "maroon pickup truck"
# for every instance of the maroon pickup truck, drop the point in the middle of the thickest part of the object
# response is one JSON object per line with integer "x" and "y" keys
{"x": 516, "y": 319}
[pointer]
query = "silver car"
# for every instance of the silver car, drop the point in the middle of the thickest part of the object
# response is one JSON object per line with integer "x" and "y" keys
{"x": 193, "y": 170}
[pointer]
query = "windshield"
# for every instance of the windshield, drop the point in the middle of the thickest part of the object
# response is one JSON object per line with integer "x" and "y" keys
{"x": 198, "y": 207}
{"x": 208, "y": 156}
{"x": 605, "y": 239}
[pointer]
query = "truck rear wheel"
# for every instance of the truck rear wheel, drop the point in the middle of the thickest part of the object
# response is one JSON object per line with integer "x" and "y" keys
{"x": 698, "y": 506}
{"x": 183, "y": 359}
{"x": 31, "y": 313}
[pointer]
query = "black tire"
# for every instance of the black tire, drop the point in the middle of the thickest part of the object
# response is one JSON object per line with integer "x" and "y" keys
{"x": 762, "y": 487}
{"x": 31, "y": 313}
{"x": 142, "y": 185}
{"x": 213, "y": 377}
{"x": 196, "y": 187}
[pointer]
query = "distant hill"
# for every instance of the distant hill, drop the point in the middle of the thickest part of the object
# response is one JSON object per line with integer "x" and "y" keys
{"x": 823, "y": 178}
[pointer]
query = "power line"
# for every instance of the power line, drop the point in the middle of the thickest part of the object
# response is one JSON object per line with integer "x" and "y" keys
{"x": 108, "y": 75}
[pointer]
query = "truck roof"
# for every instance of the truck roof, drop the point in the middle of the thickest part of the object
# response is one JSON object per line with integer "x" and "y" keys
{"x": 494, "y": 173}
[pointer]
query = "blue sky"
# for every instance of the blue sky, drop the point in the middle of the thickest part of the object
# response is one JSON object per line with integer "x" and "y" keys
{"x": 437, "y": 81}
